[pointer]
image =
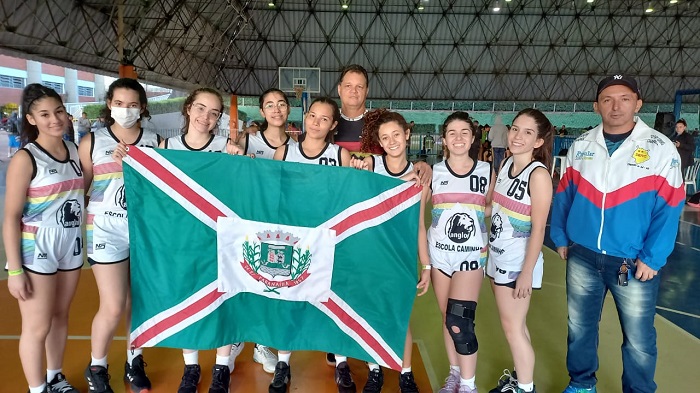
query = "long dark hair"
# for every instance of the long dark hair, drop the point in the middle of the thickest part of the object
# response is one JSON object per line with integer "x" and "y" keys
{"x": 31, "y": 94}
{"x": 126, "y": 83}
{"x": 545, "y": 131}
{"x": 264, "y": 124}
{"x": 188, "y": 104}
{"x": 373, "y": 120}
{"x": 336, "y": 113}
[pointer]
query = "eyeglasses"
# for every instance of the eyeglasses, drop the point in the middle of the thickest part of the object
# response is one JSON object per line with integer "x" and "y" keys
{"x": 280, "y": 105}
{"x": 200, "y": 109}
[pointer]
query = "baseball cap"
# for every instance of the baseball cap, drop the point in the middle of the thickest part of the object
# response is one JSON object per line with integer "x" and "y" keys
{"x": 618, "y": 79}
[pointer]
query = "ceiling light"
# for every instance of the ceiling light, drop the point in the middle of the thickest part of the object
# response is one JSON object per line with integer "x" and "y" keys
{"x": 673, "y": 1}
{"x": 496, "y": 6}
{"x": 649, "y": 8}
{"x": 589, "y": 1}
{"x": 271, "y": 4}
{"x": 420, "y": 7}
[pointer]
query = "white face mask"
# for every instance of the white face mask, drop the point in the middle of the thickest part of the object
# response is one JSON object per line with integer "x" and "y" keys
{"x": 126, "y": 117}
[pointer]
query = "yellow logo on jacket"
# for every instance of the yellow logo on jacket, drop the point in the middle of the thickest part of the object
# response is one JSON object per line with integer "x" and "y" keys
{"x": 640, "y": 155}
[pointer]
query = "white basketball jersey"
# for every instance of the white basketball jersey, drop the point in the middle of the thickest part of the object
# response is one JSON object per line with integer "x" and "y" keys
{"x": 107, "y": 195}
{"x": 510, "y": 217}
{"x": 381, "y": 168}
{"x": 216, "y": 144}
{"x": 458, "y": 227}
{"x": 330, "y": 155}
{"x": 55, "y": 196}
{"x": 257, "y": 144}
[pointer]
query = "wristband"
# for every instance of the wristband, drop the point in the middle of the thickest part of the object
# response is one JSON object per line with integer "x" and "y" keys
{"x": 427, "y": 267}
{"x": 15, "y": 272}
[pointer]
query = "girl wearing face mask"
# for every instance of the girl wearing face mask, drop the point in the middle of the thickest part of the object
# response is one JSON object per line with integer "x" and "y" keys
{"x": 107, "y": 227}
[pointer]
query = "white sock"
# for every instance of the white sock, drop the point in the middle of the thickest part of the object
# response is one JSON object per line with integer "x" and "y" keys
{"x": 373, "y": 366}
{"x": 284, "y": 357}
{"x": 470, "y": 383}
{"x": 51, "y": 374}
{"x": 191, "y": 358}
{"x": 528, "y": 387}
{"x": 405, "y": 370}
{"x": 38, "y": 389}
{"x": 454, "y": 368}
{"x": 99, "y": 362}
{"x": 131, "y": 354}
{"x": 340, "y": 359}
{"x": 222, "y": 360}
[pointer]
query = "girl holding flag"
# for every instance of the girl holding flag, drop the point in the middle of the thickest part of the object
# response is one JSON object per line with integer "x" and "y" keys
{"x": 457, "y": 246}
{"x": 42, "y": 233}
{"x": 389, "y": 131}
{"x": 521, "y": 200}
{"x": 202, "y": 110}
{"x": 101, "y": 153}
{"x": 274, "y": 107}
{"x": 315, "y": 148}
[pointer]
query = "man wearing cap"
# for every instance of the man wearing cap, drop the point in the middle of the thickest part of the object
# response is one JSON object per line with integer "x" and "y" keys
{"x": 614, "y": 219}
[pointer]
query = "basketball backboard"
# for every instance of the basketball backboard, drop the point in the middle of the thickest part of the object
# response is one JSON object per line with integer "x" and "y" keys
{"x": 306, "y": 77}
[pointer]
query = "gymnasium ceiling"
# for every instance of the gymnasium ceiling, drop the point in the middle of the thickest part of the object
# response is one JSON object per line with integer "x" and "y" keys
{"x": 532, "y": 50}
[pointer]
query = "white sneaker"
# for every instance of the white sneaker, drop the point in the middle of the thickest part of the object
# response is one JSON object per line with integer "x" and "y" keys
{"x": 263, "y": 355}
{"x": 236, "y": 350}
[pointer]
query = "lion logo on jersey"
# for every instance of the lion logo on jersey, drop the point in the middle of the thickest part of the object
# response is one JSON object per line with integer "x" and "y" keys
{"x": 496, "y": 227}
{"x": 120, "y": 198}
{"x": 460, "y": 228}
{"x": 275, "y": 261}
{"x": 70, "y": 215}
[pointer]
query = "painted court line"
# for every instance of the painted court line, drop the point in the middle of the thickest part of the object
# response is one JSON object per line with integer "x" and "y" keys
{"x": 429, "y": 369}
{"x": 678, "y": 312}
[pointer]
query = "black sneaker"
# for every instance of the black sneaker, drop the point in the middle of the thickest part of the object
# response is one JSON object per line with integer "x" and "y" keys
{"x": 375, "y": 381}
{"x": 343, "y": 378}
{"x": 220, "y": 379}
{"x": 507, "y": 383}
{"x": 190, "y": 379}
{"x": 330, "y": 359}
{"x": 407, "y": 384}
{"x": 135, "y": 375}
{"x": 97, "y": 379}
{"x": 59, "y": 385}
{"x": 281, "y": 379}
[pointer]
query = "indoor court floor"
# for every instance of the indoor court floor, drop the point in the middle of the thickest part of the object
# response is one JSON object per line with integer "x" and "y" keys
{"x": 677, "y": 324}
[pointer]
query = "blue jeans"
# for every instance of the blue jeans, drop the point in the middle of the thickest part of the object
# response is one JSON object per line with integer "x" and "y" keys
{"x": 499, "y": 153}
{"x": 589, "y": 277}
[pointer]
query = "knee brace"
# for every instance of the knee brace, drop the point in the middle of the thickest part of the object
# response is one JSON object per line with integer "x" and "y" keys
{"x": 460, "y": 316}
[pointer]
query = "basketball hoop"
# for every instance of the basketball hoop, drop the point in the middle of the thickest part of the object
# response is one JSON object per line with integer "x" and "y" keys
{"x": 299, "y": 90}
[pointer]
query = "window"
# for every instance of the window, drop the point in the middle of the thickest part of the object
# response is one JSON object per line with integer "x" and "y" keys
{"x": 12, "y": 82}
{"x": 54, "y": 85}
{"x": 86, "y": 91}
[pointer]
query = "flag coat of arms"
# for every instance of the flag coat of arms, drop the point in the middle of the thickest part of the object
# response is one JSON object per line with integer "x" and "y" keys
{"x": 293, "y": 256}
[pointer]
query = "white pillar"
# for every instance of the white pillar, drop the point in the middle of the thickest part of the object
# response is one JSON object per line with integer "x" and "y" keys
{"x": 71, "y": 86}
{"x": 33, "y": 72}
{"x": 100, "y": 87}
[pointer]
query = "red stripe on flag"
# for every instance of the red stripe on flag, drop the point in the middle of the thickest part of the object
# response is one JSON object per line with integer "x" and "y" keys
{"x": 178, "y": 185}
{"x": 167, "y": 323}
{"x": 376, "y": 210}
{"x": 346, "y": 319}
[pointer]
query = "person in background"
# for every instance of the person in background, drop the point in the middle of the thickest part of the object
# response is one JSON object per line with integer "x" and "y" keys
{"x": 69, "y": 133}
{"x": 685, "y": 143}
{"x": 83, "y": 126}
{"x": 498, "y": 136}
{"x": 100, "y": 122}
